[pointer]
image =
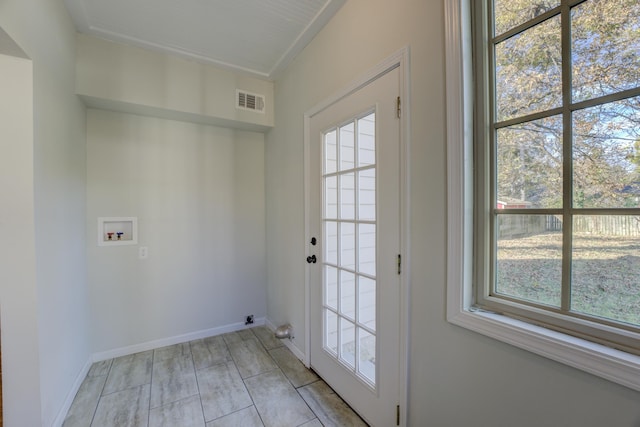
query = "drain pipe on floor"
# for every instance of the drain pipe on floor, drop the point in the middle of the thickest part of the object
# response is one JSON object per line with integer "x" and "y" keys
{"x": 284, "y": 331}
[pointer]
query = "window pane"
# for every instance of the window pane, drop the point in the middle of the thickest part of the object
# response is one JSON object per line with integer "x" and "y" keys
{"x": 330, "y": 152}
{"x": 348, "y": 342}
{"x": 367, "y": 140}
{"x": 331, "y": 331}
{"x": 347, "y": 246}
{"x": 528, "y": 71}
{"x": 347, "y": 196}
{"x": 331, "y": 197}
{"x": 606, "y": 155}
{"x": 529, "y": 164}
{"x": 529, "y": 258}
{"x": 348, "y": 294}
{"x": 347, "y": 150}
{"x": 606, "y": 267}
{"x": 367, "y": 302}
{"x": 605, "y": 47}
{"x": 331, "y": 287}
{"x": 509, "y": 13}
{"x": 367, "y": 249}
{"x": 367, "y": 355}
{"x": 367, "y": 195}
{"x": 331, "y": 239}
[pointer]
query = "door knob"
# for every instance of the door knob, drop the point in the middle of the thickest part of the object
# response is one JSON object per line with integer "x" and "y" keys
{"x": 312, "y": 259}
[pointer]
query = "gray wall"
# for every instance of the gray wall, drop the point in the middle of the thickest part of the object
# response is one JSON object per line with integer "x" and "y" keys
{"x": 456, "y": 377}
{"x": 18, "y": 299}
{"x": 42, "y": 361}
{"x": 198, "y": 194}
{"x": 121, "y": 77}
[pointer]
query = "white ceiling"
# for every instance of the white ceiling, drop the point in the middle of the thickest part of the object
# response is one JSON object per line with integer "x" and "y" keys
{"x": 260, "y": 37}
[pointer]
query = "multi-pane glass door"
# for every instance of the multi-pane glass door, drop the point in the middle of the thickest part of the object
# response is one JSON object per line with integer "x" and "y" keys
{"x": 353, "y": 210}
{"x": 349, "y": 232}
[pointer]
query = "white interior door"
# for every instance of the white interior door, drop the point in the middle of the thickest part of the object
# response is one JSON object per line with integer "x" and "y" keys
{"x": 354, "y": 216}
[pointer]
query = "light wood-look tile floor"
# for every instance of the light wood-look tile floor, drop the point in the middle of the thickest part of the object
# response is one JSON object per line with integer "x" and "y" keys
{"x": 246, "y": 378}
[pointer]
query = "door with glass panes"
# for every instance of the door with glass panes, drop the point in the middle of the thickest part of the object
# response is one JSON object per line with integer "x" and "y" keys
{"x": 354, "y": 216}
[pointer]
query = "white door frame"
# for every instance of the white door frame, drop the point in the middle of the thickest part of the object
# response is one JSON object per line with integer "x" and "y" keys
{"x": 399, "y": 60}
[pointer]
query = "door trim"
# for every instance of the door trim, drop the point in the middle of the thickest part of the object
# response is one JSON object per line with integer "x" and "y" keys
{"x": 400, "y": 60}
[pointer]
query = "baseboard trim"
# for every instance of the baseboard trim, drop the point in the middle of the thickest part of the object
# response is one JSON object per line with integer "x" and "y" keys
{"x": 150, "y": 345}
{"x": 62, "y": 414}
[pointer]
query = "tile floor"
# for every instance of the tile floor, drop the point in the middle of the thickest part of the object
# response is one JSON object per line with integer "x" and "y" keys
{"x": 246, "y": 378}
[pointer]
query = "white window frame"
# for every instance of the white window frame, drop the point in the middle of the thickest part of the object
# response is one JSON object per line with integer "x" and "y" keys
{"x": 614, "y": 365}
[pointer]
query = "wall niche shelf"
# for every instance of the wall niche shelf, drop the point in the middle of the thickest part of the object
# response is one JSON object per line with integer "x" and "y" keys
{"x": 117, "y": 231}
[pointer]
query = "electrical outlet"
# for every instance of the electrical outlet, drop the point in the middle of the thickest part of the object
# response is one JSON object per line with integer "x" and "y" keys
{"x": 143, "y": 252}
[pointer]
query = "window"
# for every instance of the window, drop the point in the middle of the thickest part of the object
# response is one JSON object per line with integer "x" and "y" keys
{"x": 544, "y": 178}
{"x": 558, "y": 149}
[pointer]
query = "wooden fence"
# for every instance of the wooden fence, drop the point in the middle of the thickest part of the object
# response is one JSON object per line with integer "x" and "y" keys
{"x": 608, "y": 225}
{"x": 512, "y": 226}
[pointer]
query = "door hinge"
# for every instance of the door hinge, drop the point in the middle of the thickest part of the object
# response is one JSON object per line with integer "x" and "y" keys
{"x": 398, "y": 107}
{"x": 399, "y": 263}
{"x": 398, "y": 415}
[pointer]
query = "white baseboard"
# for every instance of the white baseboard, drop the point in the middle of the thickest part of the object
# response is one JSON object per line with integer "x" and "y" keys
{"x": 62, "y": 414}
{"x": 269, "y": 324}
{"x": 150, "y": 345}
{"x": 288, "y": 343}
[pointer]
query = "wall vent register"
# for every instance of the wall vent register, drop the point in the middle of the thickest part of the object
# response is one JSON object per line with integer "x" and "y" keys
{"x": 249, "y": 101}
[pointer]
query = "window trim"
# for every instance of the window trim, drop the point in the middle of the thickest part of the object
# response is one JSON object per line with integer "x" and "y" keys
{"x": 608, "y": 363}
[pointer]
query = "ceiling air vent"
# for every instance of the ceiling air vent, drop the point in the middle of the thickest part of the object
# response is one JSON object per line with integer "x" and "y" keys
{"x": 249, "y": 101}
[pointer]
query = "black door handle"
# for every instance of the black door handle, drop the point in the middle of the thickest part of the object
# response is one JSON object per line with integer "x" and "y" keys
{"x": 312, "y": 259}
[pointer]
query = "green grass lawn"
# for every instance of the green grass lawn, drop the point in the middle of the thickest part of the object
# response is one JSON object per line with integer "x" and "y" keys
{"x": 605, "y": 273}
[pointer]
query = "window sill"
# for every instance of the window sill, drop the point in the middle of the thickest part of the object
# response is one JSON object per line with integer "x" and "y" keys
{"x": 608, "y": 363}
